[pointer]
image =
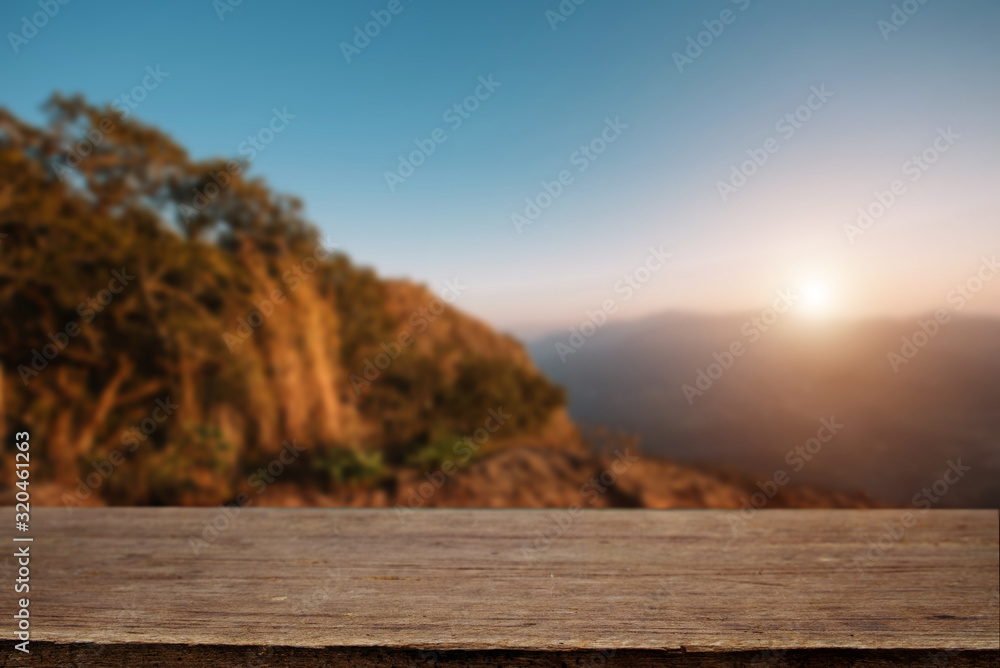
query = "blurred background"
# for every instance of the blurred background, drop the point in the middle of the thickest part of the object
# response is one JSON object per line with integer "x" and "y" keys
{"x": 727, "y": 254}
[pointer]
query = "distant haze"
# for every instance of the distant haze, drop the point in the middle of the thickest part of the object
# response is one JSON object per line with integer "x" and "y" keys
{"x": 759, "y": 410}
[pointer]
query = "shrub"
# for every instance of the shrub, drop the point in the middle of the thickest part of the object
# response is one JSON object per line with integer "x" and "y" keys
{"x": 342, "y": 466}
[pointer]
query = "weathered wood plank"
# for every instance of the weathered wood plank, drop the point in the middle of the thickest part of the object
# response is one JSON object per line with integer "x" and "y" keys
{"x": 480, "y": 587}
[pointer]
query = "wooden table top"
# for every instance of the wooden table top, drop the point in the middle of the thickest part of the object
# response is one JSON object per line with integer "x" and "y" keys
{"x": 194, "y": 587}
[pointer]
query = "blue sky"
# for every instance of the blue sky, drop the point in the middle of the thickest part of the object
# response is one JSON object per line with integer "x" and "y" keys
{"x": 656, "y": 184}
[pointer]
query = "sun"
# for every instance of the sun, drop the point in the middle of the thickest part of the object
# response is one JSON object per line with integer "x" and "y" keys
{"x": 816, "y": 298}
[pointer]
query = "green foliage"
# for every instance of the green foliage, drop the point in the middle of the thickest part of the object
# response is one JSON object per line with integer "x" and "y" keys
{"x": 340, "y": 466}
{"x": 485, "y": 383}
{"x": 406, "y": 401}
{"x": 194, "y": 465}
{"x": 440, "y": 450}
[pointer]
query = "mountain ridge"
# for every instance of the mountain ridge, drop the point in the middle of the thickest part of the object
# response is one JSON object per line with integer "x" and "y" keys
{"x": 904, "y": 421}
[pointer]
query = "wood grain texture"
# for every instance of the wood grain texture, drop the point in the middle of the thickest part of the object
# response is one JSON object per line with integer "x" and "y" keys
{"x": 609, "y": 587}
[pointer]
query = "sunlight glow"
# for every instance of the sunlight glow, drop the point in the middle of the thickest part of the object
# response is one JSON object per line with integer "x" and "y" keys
{"x": 815, "y": 298}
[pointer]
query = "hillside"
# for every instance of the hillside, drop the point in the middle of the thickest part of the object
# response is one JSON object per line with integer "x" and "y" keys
{"x": 541, "y": 477}
{"x": 168, "y": 327}
{"x": 174, "y": 333}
